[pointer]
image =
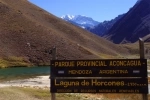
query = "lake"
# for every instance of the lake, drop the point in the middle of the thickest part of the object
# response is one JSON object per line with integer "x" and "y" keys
{"x": 23, "y": 72}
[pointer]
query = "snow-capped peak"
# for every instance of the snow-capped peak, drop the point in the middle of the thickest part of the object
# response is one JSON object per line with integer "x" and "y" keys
{"x": 80, "y": 20}
{"x": 74, "y": 17}
{"x": 68, "y": 17}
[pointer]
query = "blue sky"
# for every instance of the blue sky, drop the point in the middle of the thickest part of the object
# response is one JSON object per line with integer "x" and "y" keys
{"x": 99, "y": 10}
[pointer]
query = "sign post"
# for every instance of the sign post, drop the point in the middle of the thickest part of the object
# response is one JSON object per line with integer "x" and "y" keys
{"x": 121, "y": 76}
{"x": 53, "y": 51}
{"x": 142, "y": 56}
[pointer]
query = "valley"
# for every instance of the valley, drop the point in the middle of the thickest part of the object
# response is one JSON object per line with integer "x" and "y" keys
{"x": 28, "y": 33}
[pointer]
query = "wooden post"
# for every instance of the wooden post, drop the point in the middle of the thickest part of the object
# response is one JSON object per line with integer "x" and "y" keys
{"x": 141, "y": 45}
{"x": 53, "y": 96}
{"x": 142, "y": 56}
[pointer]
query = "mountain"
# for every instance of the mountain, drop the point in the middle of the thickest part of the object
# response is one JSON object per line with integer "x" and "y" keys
{"x": 134, "y": 24}
{"x": 27, "y": 33}
{"x": 98, "y": 28}
{"x": 103, "y": 27}
{"x": 80, "y": 20}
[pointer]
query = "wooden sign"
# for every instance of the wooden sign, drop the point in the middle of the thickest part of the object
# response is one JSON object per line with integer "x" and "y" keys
{"x": 136, "y": 85}
{"x": 99, "y": 68}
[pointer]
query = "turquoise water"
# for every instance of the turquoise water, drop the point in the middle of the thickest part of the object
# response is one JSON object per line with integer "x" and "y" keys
{"x": 8, "y": 73}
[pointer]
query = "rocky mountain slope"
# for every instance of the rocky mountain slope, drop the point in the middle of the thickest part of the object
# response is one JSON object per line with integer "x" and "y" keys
{"x": 134, "y": 24}
{"x": 28, "y": 32}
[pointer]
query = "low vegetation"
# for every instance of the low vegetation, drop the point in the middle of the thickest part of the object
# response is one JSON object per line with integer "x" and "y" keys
{"x": 13, "y": 62}
{"x": 27, "y": 93}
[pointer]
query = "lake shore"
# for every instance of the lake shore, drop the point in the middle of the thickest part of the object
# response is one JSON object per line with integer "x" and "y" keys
{"x": 37, "y": 82}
